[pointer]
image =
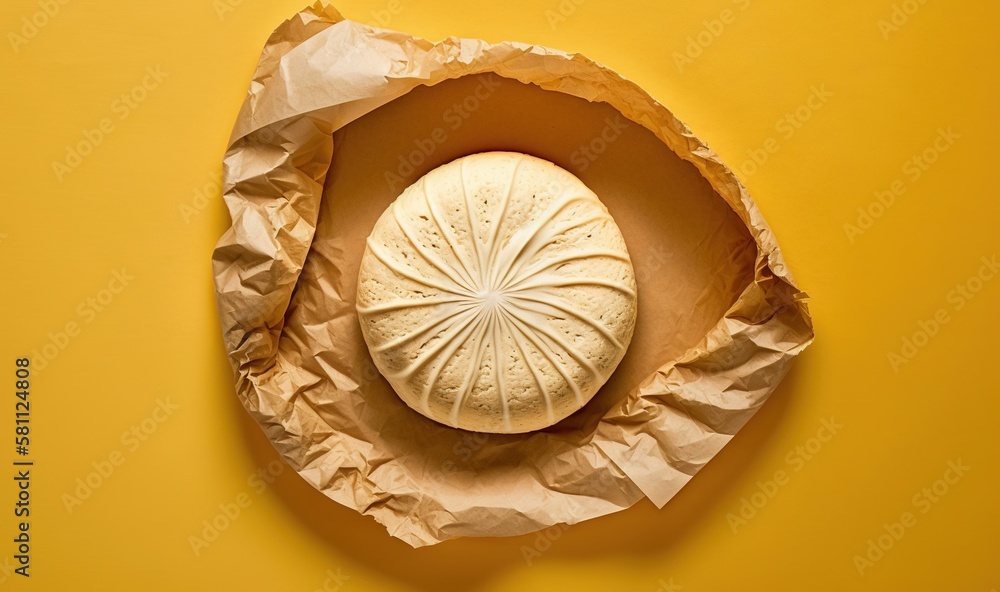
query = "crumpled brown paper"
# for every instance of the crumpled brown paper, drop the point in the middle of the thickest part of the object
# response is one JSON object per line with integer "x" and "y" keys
{"x": 285, "y": 274}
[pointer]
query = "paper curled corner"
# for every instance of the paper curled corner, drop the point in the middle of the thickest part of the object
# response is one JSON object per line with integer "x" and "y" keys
{"x": 317, "y": 73}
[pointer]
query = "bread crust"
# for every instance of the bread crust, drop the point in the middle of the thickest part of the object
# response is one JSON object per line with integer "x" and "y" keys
{"x": 496, "y": 294}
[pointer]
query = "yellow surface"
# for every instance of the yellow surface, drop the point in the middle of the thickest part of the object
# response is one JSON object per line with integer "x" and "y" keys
{"x": 146, "y": 200}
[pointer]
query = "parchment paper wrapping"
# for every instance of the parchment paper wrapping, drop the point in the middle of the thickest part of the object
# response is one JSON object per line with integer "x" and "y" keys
{"x": 720, "y": 316}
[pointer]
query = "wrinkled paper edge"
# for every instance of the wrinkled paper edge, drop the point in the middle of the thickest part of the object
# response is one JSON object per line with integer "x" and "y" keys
{"x": 660, "y": 435}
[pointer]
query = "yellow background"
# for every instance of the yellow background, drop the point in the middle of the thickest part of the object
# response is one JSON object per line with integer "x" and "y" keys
{"x": 61, "y": 241}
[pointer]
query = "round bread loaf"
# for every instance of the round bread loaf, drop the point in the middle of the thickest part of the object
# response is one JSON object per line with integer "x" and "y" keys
{"x": 496, "y": 294}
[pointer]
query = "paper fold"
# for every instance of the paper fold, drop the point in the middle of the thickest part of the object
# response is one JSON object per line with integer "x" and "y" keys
{"x": 317, "y": 395}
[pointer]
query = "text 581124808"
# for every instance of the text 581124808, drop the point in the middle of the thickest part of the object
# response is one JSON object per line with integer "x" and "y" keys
{"x": 22, "y": 465}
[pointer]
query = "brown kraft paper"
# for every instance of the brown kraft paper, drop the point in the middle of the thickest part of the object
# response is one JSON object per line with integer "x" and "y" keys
{"x": 340, "y": 117}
